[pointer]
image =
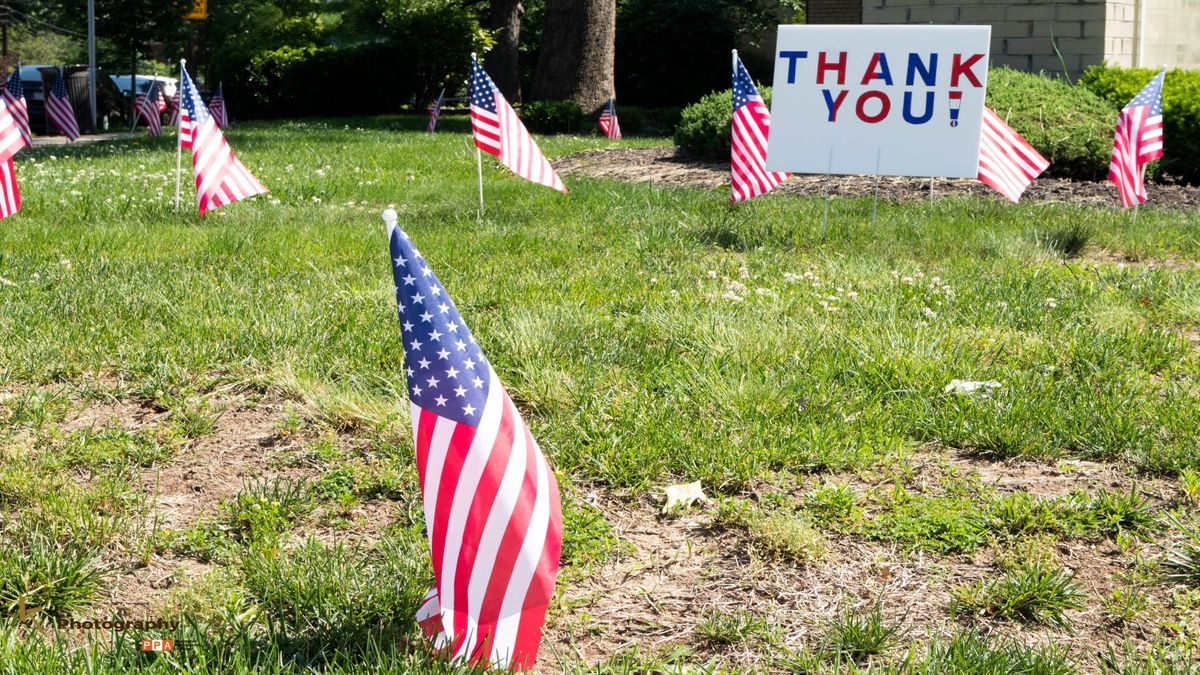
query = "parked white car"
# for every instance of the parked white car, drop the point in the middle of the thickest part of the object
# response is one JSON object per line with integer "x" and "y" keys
{"x": 167, "y": 84}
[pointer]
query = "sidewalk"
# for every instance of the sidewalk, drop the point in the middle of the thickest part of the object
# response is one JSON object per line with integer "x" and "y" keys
{"x": 39, "y": 141}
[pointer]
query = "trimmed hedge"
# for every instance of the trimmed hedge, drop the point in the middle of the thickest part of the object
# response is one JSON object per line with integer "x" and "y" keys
{"x": 704, "y": 126}
{"x": 1181, "y": 112}
{"x": 1071, "y": 126}
{"x": 552, "y": 117}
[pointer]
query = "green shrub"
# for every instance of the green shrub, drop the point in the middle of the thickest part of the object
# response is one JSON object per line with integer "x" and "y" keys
{"x": 704, "y": 126}
{"x": 1181, "y": 112}
{"x": 1069, "y": 125}
{"x": 552, "y": 117}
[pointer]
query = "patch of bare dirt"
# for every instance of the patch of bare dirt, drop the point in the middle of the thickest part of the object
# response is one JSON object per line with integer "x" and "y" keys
{"x": 129, "y": 415}
{"x": 667, "y": 167}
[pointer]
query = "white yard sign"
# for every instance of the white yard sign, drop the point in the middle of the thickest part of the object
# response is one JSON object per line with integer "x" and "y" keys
{"x": 887, "y": 100}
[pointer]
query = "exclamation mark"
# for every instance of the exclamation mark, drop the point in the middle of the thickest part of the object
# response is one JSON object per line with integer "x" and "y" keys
{"x": 955, "y": 104}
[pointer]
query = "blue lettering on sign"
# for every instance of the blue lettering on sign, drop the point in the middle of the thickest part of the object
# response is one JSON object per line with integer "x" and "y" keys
{"x": 792, "y": 57}
{"x": 926, "y": 116}
{"x": 928, "y": 73}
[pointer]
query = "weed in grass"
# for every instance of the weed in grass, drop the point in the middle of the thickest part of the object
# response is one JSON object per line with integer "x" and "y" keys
{"x": 730, "y": 628}
{"x": 1158, "y": 659}
{"x": 335, "y": 483}
{"x": 1036, "y": 593}
{"x": 783, "y": 535}
{"x": 111, "y": 445}
{"x": 1068, "y": 241}
{"x": 264, "y": 508}
{"x": 966, "y": 653}
{"x": 1125, "y": 605}
{"x": 322, "y": 599}
{"x": 194, "y": 417}
{"x": 833, "y": 504}
{"x": 938, "y": 524}
{"x": 1022, "y": 513}
{"x": 1182, "y": 562}
{"x": 858, "y": 635}
{"x": 1189, "y": 482}
{"x": 1123, "y": 512}
{"x": 588, "y": 537}
{"x": 41, "y": 573}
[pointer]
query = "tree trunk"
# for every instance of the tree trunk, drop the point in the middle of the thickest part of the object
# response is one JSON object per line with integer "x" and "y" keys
{"x": 502, "y": 61}
{"x": 578, "y": 43}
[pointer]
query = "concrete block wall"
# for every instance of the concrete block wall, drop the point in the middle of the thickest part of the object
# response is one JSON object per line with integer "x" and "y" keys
{"x": 835, "y": 11}
{"x": 1025, "y": 33}
{"x": 1171, "y": 35}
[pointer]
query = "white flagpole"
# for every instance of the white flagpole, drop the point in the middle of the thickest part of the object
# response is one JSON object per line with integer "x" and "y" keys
{"x": 825, "y": 215}
{"x": 179, "y": 136}
{"x": 479, "y": 165}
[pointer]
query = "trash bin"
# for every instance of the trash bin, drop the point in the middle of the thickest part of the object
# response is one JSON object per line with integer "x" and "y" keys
{"x": 77, "y": 92}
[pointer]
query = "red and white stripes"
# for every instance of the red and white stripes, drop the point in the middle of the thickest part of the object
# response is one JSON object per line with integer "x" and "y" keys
{"x": 1138, "y": 139}
{"x": 220, "y": 178}
{"x": 495, "y": 529}
{"x": 748, "y": 159}
{"x": 1007, "y": 162}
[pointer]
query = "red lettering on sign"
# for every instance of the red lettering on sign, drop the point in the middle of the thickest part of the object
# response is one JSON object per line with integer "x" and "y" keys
{"x": 885, "y": 106}
{"x": 959, "y": 68}
{"x": 838, "y": 67}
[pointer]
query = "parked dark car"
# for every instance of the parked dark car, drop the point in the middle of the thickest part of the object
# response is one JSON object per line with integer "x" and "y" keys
{"x": 112, "y": 109}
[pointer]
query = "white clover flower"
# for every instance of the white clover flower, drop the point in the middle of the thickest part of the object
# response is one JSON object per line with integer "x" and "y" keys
{"x": 743, "y": 273}
{"x": 906, "y": 280}
{"x": 928, "y": 313}
{"x": 712, "y": 274}
{"x": 765, "y": 292}
{"x": 790, "y": 278}
{"x": 852, "y": 295}
{"x": 1051, "y": 303}
{"x": 35, "y": 276}
{"x": 64, "y": 262}
{"x": 732, "y": 297}
{"x": 737, "y": 287}
{"x": 653, "y": 280}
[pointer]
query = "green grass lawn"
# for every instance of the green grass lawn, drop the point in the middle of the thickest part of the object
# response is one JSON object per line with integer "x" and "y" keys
{"x": 651, "y": 336}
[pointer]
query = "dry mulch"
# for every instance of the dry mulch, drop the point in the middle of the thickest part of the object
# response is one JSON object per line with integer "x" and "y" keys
{"x": 665, "y": 166}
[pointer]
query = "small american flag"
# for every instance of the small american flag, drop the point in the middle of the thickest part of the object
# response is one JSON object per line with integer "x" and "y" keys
{"x": 1138, "y": 140}
{"x": 435, "y": 111}
{"x": 751, "y": 126}
{"x": 608, "y": 121}
{"x": 10, "y": 194}
{"x": 148, "y": 108}
{"x": 14, "y": 98}
{"x": 498, "y": 131}
{"x": 174, "y": 120}
{"x": 220, "y": 177}
{"x": 216, "y": 106}
{"x": 58, "y": 107}
{"x": 1007, "y": 162}
{"x": 492, "y": 510}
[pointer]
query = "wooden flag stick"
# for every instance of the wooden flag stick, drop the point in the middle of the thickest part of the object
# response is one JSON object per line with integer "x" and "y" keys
{"x": 179, "y": 137}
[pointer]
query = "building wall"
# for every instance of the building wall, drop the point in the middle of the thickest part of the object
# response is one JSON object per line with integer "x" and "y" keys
{"x": 834, "y": 11}
{"x": 1172, "y": 34}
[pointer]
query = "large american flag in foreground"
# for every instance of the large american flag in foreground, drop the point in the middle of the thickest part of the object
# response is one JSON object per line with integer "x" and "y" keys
{"x": 220, "y": 177}
{"x": 1007, "y": 162}
{"x": 751, "y": 126}
{"x": 492, "y": 510}
{"x": 498, "y": 131}
{"x": 216, "y": 106}
{"x": 1139, "y": 140}
{"x": 148, "y": 108}
{"x": 14, "y": 98}
{"x": 608, "y": 121}
{"x": 58, "y": 108}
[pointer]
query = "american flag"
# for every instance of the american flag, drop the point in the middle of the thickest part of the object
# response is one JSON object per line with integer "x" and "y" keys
{"x": 1007, "y": 162}
{"x": 498, "y": 131}
{"x": 1138, "y": 140}
{"x": 216, "y": 106}
{"x": 149, "y": 110}
{"x": 58, "y": 107}
{"x": 220, "y": 177}
{"x": 608, "y": 121}
{"x": 492, "y": 510}
{"x": 11, "y": 141}
{"x": 751, "y": 126}
{"x": 435, "y": 111}
{"x": 174, "y": 120}
{"x": 10, "y": 194}
{"x": 14, "y": 98}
